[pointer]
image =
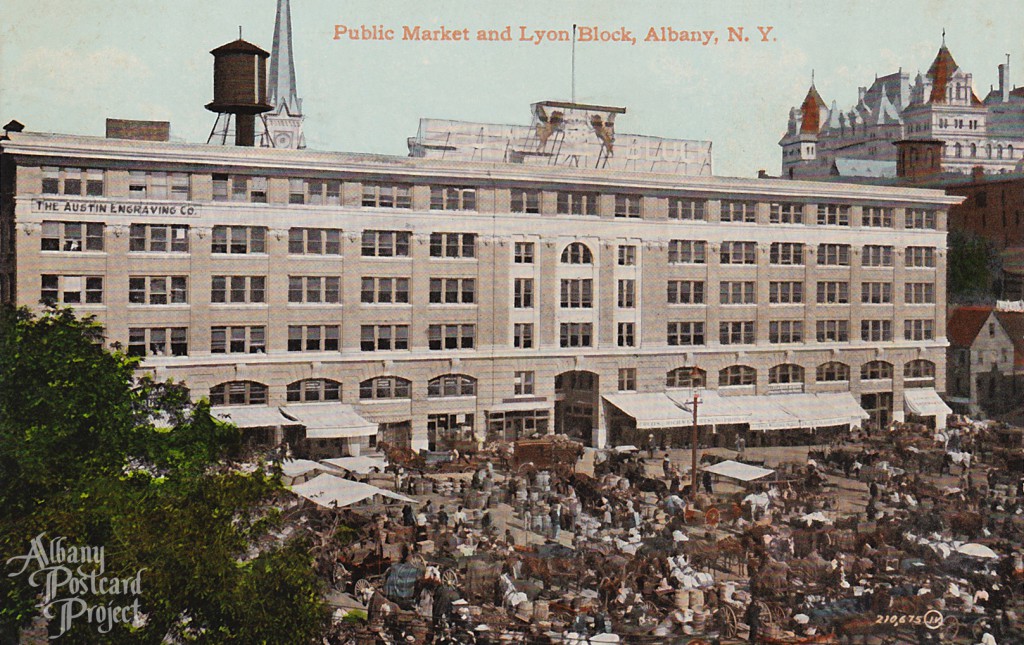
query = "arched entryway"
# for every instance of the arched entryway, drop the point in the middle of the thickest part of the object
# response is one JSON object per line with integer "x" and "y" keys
{"x": 576, "y": 404}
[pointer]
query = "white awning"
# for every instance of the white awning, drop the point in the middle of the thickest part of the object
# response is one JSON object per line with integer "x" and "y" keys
{"x": 334, "y": 492}
{"x": 737, "y": 470}
{"x": 330, "y": 420}
{"x": 651, "y": 409}
{"x": 823, "y": 409}
{"x": 252, "y": 416}
{"x": 713, "y": 408}
{"x": 299, "y": 467}
{"x": 358, "y": 465}
{"x": 767, "y": 414}
{"x": 517, "y": 406}
{"x": 925, "y": 402}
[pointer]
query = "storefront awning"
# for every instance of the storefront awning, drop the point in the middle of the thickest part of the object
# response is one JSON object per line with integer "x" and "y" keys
{"x": 714, "y": 409}
{"x": 767, "y": 414}
{"x": 925, "y": 402}
{"x": 823, "y": 409}
{"x": 252, "y": 416}
{"x": 329, "y": 420}
{"x": 517, "y": 406}
{"x": 651, "y": 410}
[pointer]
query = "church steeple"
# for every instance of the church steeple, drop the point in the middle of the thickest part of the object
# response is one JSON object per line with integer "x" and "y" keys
{"x": 284, "y": 122}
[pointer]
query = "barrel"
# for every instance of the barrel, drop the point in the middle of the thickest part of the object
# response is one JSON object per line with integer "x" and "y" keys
{"x": 696, "y": 599}
{"x": 541, "y": 610}
{"x": 524, "y": 610}
{"x": 682, "y": 599}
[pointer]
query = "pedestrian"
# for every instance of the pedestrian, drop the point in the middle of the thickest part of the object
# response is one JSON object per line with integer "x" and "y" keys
{"x": 460, "y": 519}
{"x": 754, "y": 620}
{"x": 556, "y": 520}
{"x": 666, "y": 466}
{"x": 442, "y": 519}
{"x": 651, "y": 446}
{"x": 706, "y": 476}
{"x": 873, "y": 490}
{"x": 408, "y": 518}
{"x": 741, "y": 444}
{"x": 485, "y": 521}
{"x": 509, "y": 539}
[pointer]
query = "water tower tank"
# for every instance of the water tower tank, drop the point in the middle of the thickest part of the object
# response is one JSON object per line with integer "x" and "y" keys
{"x": 240, "y": 86}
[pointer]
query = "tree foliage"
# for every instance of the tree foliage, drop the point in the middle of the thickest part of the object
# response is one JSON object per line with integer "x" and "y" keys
{"x": 973, "y": 269}
{"x": 91, "y": 452}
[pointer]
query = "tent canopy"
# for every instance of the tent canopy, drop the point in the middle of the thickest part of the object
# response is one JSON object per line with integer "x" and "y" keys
{"x": 334, "y": 492}
{"x": 299, "y": 467}
{"x": 329, "y": 420}
{"x": 358, "y": 465}
{"x": 736, "y": 470}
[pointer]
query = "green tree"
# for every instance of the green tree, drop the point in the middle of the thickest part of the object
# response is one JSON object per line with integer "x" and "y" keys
{"x": 92, "y": 452}
{"x": 973, "y": 269}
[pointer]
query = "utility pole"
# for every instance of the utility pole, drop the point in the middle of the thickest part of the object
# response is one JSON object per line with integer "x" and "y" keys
{"x": 693, "y": 448}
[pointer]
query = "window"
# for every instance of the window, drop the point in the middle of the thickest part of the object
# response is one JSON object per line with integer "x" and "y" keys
{"x": 159, "y": 185}
{"x": 876, "y": 330}
{"x": 522, "y": 383}
{"x": 451, "y": 385}
{"x": 391, "y": 290}
{"x": 570, "y": 203}
{"x": 919, "y": 329}
{"x": 239, "y": 239}
{"x": 786, "y": 331}
{"x": 738, "y": 253}
{"x": 626, "y": 334}
{"x": 919, "y": 369}
{"x": 577, "y": 293}
{"x": 685, "y": 333}
{"x": 834, "y": 254}
{"x": 627, "y": 379}
{"x": 525, "y": 201}
{"x": 158, "y": 290}
{"x": 452, "y": 198}
{"x": 220, "y": 188}
{"x": 691, "y": 377}
{"x": 239, "y": 289}
{"x": 788, "y": 253}
{"x": 158, "y": 341}
{"x": 738, "y": 211}
{"x": 386, "y": 244}
{"x": 317, "y": 192}
{"x": 67, "y": 289}
{"x": 786, "y": 213}
{"x": 522, "y": 335}
{"x": 577, "y": 253}
{"x": 876, "y": 256}
{"x": 834, "y": 293}
{"x": 736, "y": 332}
{"x": 832, "y": 331}
{"x": 785, "y": 292}
{"x": 308, "y": 289}
{"x": 687, "y": 252}
{"x": 920, "y": 256}
{"x": 785, "y": 373}
{"x": 627, "y": 294}
{"x": 919, "y": 218}
{"x": 920, "y": 293}
{"x": 877, "y": 217}
{"x": 314, "y": 241}
{"x": 72, "y": 236}
{"x": 239, "y": 393}
{"x": 688, "y": 209}
{"x": 737, "y": 293}
{"x": 313, "y": 338}
{"x": 523, "y": 253}
{"x": 158, "y": 238}
{"x": 374, "y": 338}
{"x": 451, "y": 336}
{"x": 875, "y": 293}
{"x": 833, "y": 215}
{"x": 737, "y": 375}
{"x": 452, "y": 245}
{"x": 876, "y": 370}
{"x": 629, "y": 206}
{"x": 313, "y": 389}
{"x": 238, "y": 340}
{"x": 685, "y": 292}
{"x": 627, "y": 255}
{"x": 522, "y": 297}
{"x": 387, "y": 196}
{"x": 385, "y": 387}
{"x": 576, "y": 334}
{"x": 68, "y": 181}
{"x": 832, "y": 371}
{"x": 242, "y": 188}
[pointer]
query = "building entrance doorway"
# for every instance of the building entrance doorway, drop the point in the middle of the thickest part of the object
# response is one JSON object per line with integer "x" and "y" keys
{"x": 879, "y": 408}
{"x": 576, "y": 405}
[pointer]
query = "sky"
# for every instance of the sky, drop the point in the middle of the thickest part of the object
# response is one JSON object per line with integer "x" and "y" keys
{"x": 67, "y": 66}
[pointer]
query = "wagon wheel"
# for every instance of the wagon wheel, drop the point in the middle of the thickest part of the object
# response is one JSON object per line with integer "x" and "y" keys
{"x": 362, "y": 587}
{"x": 766, "y": 612}
{"x": 727, "y": 621}
{"x": 417, "y": 558}
{"x": 950, "y": 627}
{"x": 778, "y": 613}
{"x": 712, "y": 517}
{"x": 450, "y": 578}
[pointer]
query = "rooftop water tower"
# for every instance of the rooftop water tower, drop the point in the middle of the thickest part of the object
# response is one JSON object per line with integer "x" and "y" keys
{"x": 239, "y": 90}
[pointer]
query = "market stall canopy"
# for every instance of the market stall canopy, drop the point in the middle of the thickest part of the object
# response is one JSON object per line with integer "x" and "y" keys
{"x": 329, "y": 420}
{"x": 299, "y": 467}
{"x": 358, "y": 465}
{"x": 925, "y": 402}
{"x": 252, "y": 416}
{"x": 334, "y": 492}
{"x": 976, "y": 550}
{"x": 651, "y": 409}
{"x": 737, "y": 470}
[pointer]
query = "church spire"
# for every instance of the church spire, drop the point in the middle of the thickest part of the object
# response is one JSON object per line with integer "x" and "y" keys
{"x": 282, "y": 66}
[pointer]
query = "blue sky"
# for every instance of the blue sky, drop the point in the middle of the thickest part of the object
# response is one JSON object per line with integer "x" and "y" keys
{"x": 66, "y": 66}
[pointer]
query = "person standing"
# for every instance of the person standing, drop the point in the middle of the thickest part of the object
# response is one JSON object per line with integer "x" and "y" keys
{"x": 754, "y": 620}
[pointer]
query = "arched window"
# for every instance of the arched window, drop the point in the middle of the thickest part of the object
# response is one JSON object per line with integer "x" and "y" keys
{"x": 974, "y": 150}
{"x": 988, "y": 151}
{"x": 919, "y": 369}
{"x": 385, "y": 387}
{"x": 786, "y": 373}
{"x": 737, "y": 375}
{"x": 239, "y": 393}
{"x": 957, "y": 150}
{"x": 451, "y": 385}
{"x": 686, "y": 377}
{"x": 833, "y": 371}
{"x": 1009, "y": 151}
{"x": 876, "y": 370}
{"x": 577, "y": 253}
{"x": 314, "y": 389}
{"x": 999, "y": 151}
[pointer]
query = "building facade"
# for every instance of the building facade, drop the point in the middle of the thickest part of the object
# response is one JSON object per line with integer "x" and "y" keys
{"x": 454, "y": 300}
{"x": 986, "y": 358}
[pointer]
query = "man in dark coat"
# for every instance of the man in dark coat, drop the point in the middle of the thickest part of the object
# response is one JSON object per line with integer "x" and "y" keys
{"x": 754, "y": 620}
